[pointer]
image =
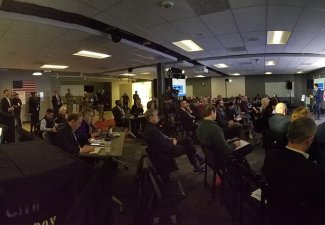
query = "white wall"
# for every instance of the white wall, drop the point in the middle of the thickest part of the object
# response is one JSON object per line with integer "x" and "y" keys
{"x": 237, "y": 86}
{"x": 115, "y": 92}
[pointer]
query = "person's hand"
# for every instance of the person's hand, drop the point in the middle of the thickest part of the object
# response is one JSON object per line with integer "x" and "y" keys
{"x": 11, "y": 109}
{"x": 87, "y": 149}
{"x": 174, "y": 141}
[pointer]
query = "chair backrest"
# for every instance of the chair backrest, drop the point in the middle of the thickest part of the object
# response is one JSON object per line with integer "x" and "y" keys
{"x": 274, "y": 140}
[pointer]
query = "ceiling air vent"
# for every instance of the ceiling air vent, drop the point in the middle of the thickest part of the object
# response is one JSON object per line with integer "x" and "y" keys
{"x": 203, "y": 7}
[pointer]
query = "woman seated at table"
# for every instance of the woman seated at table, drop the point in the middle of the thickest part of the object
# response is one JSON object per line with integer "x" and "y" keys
{"x": 84, "y": 133}
{"x": 137, "y": 108}
{"x": 62, "y": 116}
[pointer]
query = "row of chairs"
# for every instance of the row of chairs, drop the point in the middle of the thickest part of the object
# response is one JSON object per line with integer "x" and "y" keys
{"x": 239, "y": 182}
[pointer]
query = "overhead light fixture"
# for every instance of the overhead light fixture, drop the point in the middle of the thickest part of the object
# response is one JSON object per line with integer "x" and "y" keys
{"x": 228, "y": 80}
{"x": 300, "y": 72}
{"x": 37, "y": 74}
{"x": 145, "y": 73}
{"x": 91, "y": 54}
{"x": 167, "y": 69}
{"x": 221, "y": 65}
{"x": 267, "y": 73}
{"x": 235, "y": 74}
{"x": 278, "y": 37}
{"x": 128, "y": 74}
{"x": 199, "y": 76}
{"x": 320, "y": 63}
{"x": 188, "y": 45}
{"x": 59, "y": 67}
{"x": 270, "y": 63}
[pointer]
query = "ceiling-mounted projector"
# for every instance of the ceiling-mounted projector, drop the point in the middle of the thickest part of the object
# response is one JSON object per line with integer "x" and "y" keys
{"x": 201, "y": 69}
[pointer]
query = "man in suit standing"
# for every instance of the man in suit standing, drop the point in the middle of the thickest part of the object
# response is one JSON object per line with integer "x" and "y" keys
{"x": 16, "y": 103}
{"x": 295, "y": 184}
{"x": 318, "y": 99}
{"x": 34, "y": 104}
{"x": 7, "y": 108}
{"x": 70, "y": 99}
{"x": 56, "y": 103}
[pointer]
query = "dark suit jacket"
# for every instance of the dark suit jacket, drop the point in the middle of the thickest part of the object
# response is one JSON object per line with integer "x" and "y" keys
{"x": 118, "y": 117}
{"x": 55, "y": 102}
{"x": 187, "y": 120}
{"x": 279, "y": 123}
{"x": 295, "y": 184}
{"x": 4, "y": 105}
{"x": 66, "y": 140}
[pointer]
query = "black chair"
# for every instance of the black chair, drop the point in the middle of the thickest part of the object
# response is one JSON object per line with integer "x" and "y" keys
{"x": 274, "y": 140}
{"x": 252, "y": 190}
{"x": 153, "y": 194}
{"x": 212, "y": 162}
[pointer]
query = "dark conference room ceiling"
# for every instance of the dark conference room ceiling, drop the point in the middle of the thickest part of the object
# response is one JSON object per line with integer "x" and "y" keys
{"x": 232, "y": 32}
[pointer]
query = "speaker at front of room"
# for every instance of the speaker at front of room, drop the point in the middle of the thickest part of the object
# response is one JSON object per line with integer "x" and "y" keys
{"x": 289, "y": 85}
{"x": 310, "y": 84}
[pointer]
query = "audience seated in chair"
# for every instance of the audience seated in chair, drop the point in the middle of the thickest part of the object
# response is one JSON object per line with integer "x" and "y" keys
{"x": 163, "y": 149}
{"x": 295, "y": 184}
{"x": 279, "y": 122}
{"x": 119, "y": 114}
{"x": 62, "y": 116}
{"x": 47, "y": 126}
{"x": 187, "y": 119}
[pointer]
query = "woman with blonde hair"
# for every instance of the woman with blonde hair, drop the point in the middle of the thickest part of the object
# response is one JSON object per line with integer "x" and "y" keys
{"x": 299, "y": 112}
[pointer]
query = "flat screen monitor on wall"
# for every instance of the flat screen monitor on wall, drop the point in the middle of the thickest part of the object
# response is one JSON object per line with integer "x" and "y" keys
{"x": 180, "y": 86}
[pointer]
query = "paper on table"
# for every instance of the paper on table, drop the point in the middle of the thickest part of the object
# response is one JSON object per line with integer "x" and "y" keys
{"x": 257, "y": 194}
{"x": 242, "y": 144}
{"x": 97, "y": 149}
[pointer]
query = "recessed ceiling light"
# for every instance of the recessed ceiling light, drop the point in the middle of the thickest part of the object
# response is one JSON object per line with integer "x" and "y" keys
{"x": 269, "y": 63}
{"x": 188, "y": 45}
{"x": 221, "y": 65}
{"x": 268, "y": 73}
{"x": 199, "y": 76}
{"x": 37, "y": 74}
{"x": 90, "y": 54}
{"x": 320, "y": 63}
{"x": 278, "y": 37}
{"x": 59, "y": 67}
{"x": 144, "y": 73}
{"x": 300, "y": 72}
{"x": 235, "y": 74}
{"x": 128, "y": 74}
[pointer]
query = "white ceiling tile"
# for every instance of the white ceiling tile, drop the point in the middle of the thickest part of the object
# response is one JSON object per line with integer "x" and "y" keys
{"x": 254, "y": 38}
{"x": 311, "y": 20}
{"x": 207, "y": 43}
{"x": 186, "y": 26}
{"x": 274, "y": 48}
{"x": 282, "y": 17}
{"x": 99, "y": 4}
{"x": 255, "y": 49}
{"x": 231, "y": 40}
{"x": 300, "y": 38}
{"x": 220, "y": 23}
{"x": 288, "y": 2}
{"x": 167, "y": 32}
{"x": 251, "y": 18}
{"x": 293, "y": 48}
{"x": 245, "y": 3}
{"x": 218, "y": 52}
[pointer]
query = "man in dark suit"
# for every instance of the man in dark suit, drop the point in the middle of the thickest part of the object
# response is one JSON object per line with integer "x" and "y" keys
{"x": 66, "y": 138}
{"x": 6, "y": 105}
{"x": 295, "y": 184}
{"x": 279, "y": 122}
{"x": 17, "y": 104}
{"x": 118, "y": 113}
{"x": 187, "y": 119}
{"x": 34, "y": 104}
{"x": 318, "y": 99}
{"x": 163, "y": 150}
{"x": 56, "y": 103}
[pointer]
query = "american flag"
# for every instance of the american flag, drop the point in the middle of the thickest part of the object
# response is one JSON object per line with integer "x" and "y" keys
{"x": 24, "y": 85}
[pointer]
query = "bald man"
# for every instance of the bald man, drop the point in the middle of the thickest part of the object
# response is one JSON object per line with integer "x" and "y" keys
{"x": 279, "y": 122}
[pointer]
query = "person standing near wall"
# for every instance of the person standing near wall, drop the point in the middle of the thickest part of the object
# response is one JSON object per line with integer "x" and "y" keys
{"x": 317, "y": 95}
{"x": 100, "y": 104}
{"x": 56, "y": 103}
{"x": 34, "y": 108}
{"x": 69, "y": 98}
{"x": 126, "y": 101}
{"x": 16, "y": 103}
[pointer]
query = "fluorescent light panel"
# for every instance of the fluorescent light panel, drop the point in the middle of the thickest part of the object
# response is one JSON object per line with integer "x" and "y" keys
{"x": 270, "y": 63}
{"x": 235, "y": 74}
{"x": 59, "y": 67}
{"x": 267, "y": 73}
{"x": 144, "y": 73}
{"x": 199, "y": 76}
{"x": 300, "y": 72}
{"x": 91, "y": 54}
{"x": 128, "y": 74}
{"x": 188, "y": 45}
{"x": 221, "y": 65}
{"x": 278, "y": 37}
{"x": 37, "y": 74}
